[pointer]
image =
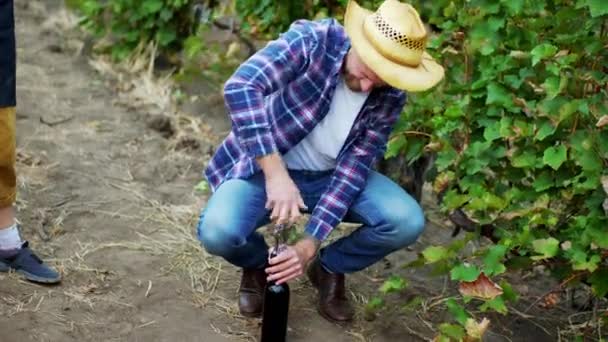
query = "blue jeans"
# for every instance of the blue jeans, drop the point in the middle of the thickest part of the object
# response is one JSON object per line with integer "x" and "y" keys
{"x": 391, "y": 219}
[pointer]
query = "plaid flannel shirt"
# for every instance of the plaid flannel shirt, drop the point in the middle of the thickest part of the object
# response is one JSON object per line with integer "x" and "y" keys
{"x": 280, "y": 94}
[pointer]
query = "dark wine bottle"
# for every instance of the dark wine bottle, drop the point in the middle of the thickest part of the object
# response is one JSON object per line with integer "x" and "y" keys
{"x": 275, "y": 311}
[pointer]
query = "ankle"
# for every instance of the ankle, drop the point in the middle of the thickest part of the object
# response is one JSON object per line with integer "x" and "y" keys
{"x": 7, "y": 217}
{"x": 10, "y": 239}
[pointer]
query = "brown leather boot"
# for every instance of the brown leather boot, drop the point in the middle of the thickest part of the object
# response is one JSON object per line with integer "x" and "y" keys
{"x": 251, "y": 292}
{"x": 333, "y": 304}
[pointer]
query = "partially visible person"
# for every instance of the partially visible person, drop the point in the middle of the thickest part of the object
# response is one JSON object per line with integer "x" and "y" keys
{"x": 15, "y": 253}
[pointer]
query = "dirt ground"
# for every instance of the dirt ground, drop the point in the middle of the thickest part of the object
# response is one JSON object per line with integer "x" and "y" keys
{"x": 107, "y": 195}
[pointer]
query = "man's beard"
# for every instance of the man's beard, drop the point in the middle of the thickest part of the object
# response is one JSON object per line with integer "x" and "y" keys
{"x": 352, "y": 82}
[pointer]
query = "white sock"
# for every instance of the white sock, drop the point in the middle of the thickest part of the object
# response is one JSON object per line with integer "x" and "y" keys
{"x": 10, "y": 239}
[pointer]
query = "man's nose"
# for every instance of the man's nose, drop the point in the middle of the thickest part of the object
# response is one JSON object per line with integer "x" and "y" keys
{"x": 366, "y": 85}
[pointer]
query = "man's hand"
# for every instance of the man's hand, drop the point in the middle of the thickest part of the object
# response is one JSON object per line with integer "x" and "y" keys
{"x": 292, "y": 261}
{"x": 283, "y": 196}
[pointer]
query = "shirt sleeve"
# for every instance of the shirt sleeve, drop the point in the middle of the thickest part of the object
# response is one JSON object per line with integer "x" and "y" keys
{"x": 352, "y": 169}
{"x": 267, "y": 71}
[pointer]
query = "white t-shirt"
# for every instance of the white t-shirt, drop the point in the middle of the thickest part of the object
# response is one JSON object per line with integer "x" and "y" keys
{"x": 320, "y": 148}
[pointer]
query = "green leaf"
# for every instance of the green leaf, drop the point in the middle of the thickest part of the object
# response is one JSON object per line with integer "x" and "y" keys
{"x": 507, "y": 292}
{"x": 599, "y": 282}
{"x": 375, "y": 303}
{"x": 542, "y": 51}
{"x": 441, "y": 268}
{"x": 464, "y": 272}
{"x": 478, "y": 148}
{"x": 525, "y": 160}
{"x": 414, "y": 149}
{"x": 192, "y": 46}
{"x": 506, "y": 129}
{"x": 492, "y": 132}
{"x": 586, "y": 156}
{"x": 493, "y": 260}
{"x": 552, "y": 86}
{"x": 597, "y": 7}
{"x": 446, "y": 158}
{"x": 454, "y": 112}
{"x": 548, "y": 248}
{"x": 546, "y": 129}
{"x": 393, "y": 284}
{"x": 555, "y": 156}
{"x": 459, "y": 313}
{"x": 414, "y": 304}
{"x": 498, "y": 95}
{"x": 433, "y": 254}
{"x": 166, "y": 14}
{"x": 165, "y": 37}
{"x": 497, "y": 304}
{"x": 120, "y": 52}
{"x": 91, "y": 7}
{"x": 452, "y": 330}
{"x": 418, "y": 262}
{"x": 543, "y": 181}
{"x": 492, "y": 201}
{"x": 566, "y": 111}
{"x": 581, "y": 262}
{"x": 598, "y": 234}
{"x": 443, "y": 338}
{"x": 513, "y": 81}
{"x": 132, "y": 37}
{"x": 395, "y": 145}
{"x": 453, "y": 200}
{"x": 586, "y": 181}
{"x": 553, "y": 68}
{"x": 588, "y": 160}
{"x": 514, "y": 6}
{"x": 202, "y": 186}
{"x": 551, "y": 107}
{"x": 151, "y": 6}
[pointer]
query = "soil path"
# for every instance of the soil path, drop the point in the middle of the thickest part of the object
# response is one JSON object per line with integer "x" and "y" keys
{"x": 111, "y": 203}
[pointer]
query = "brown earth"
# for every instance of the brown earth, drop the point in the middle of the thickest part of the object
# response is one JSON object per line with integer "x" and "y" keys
{"x": 107, "y": 196}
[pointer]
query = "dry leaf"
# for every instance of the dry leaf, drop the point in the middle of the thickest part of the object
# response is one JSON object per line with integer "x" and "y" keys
{"x": 550, "y": 300}
{"x": 605, "y": 186}
{"x": 603, "y": 121}
{"x": 475, "y": 330}
{"x": 233, "y": 50}
{"x": 520, "y": 102}
{"x": 90, "y": 288}
{"x": 482, "y": 288}
{"x": 433, "y": 147}
{"x": 441, "y": 183}
{"x": 605, "y": 183}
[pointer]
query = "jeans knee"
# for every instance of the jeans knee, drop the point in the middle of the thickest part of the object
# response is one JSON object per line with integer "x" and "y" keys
{"x": 215, "y": 237}
{"x": 405, "y": 228}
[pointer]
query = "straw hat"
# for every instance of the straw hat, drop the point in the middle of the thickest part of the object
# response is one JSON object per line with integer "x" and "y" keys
{"x": 392, "y": 42}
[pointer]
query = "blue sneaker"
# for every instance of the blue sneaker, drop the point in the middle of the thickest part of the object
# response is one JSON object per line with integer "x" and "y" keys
{"x": 28, "y": 264}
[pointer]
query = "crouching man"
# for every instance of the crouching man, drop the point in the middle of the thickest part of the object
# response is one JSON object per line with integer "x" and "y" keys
{"x": 310, "y": 114}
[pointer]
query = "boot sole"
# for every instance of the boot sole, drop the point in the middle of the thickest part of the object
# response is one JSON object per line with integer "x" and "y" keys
{"x": 332, "y": 320}
{"x": 255, "y": 314}
{"x": 251, "y": 314}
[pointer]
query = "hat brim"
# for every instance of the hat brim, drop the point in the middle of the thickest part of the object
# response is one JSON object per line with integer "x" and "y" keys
{"x": 423, "y": 77}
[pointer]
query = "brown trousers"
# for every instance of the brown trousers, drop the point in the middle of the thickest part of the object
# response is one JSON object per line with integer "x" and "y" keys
{"x": 8, "y": 179}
